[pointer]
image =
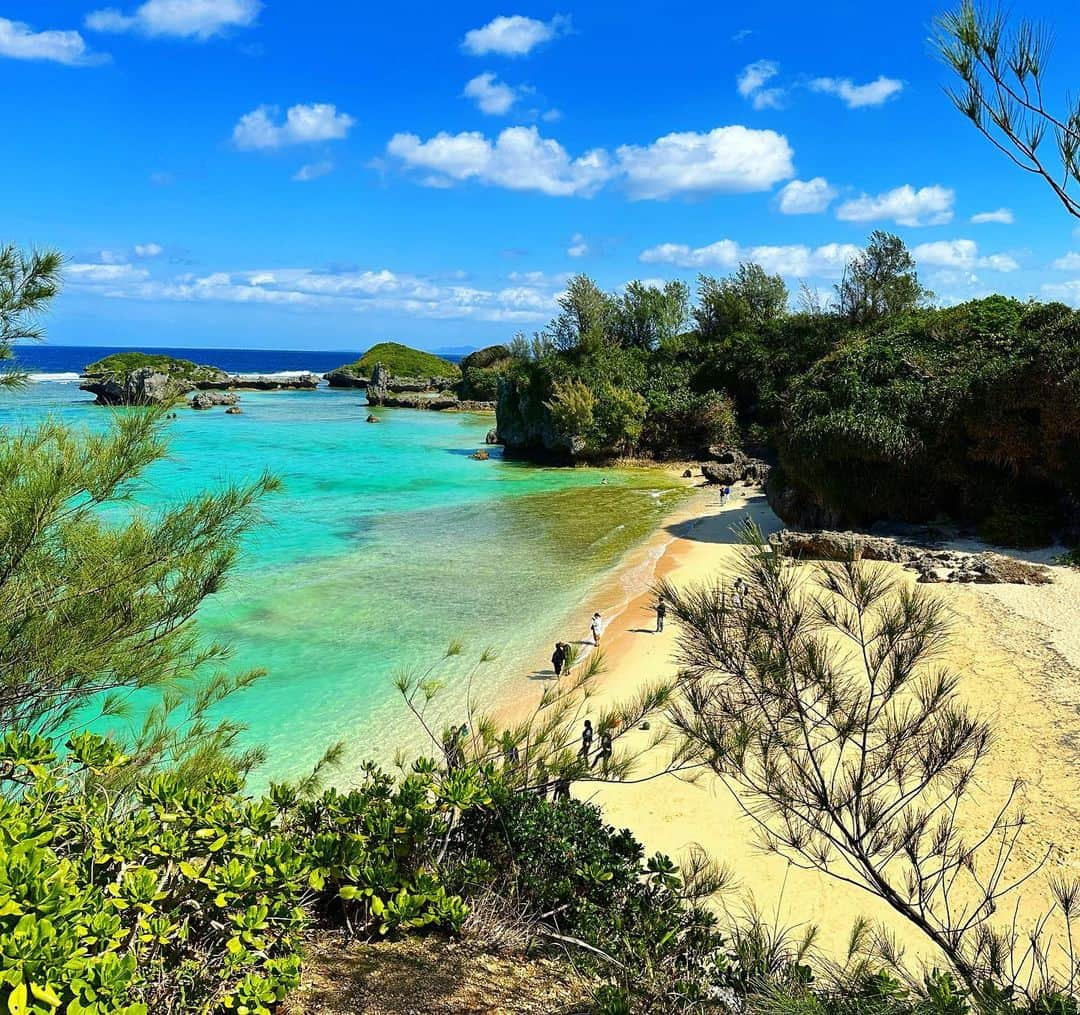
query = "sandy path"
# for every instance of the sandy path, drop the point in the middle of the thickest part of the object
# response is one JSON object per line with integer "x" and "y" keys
{"x": 1011, "y": 646}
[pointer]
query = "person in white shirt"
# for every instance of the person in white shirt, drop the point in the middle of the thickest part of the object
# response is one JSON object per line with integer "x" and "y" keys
{"x": 597, "y": 628}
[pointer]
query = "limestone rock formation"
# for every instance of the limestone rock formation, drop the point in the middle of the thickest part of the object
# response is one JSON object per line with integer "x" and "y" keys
{"x": 209, "y": 399}
{"x": 932, "y": 565}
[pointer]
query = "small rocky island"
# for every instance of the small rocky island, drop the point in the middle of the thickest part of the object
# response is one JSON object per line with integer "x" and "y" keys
{"x": 398, "y": 377}
{"x": 139, "y": 378}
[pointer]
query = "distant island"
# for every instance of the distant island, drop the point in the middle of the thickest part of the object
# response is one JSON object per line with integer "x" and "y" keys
{"x": 142, "y": 378}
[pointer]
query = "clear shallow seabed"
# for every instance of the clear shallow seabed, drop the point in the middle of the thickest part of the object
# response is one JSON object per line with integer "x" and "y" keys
{"x": 386, "y": 543}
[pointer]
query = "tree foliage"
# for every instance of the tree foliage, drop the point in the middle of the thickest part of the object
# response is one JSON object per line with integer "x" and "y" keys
{"x": 27, "y": 283}
{"x": 825, "y": 712}
{"x": 1001, "y": 71}
{"x": 880, "y": 282}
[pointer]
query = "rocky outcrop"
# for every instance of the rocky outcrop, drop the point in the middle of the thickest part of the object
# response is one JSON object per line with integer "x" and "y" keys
{"x": 343, "y": 377}
{"x": 154, "y": 386}
{"x": 932, "y": 565}
{"x": 291, "y": 382}
{"x": 523, "y": 424}
{"x": 435, "y": 393}
{"x": 143, "y": 386}
{"x": 209, "y": 399}
{"x": 730, "y": 465}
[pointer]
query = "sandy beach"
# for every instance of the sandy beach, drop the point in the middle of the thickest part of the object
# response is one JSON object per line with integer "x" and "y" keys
{"x": 1017, "y": 650}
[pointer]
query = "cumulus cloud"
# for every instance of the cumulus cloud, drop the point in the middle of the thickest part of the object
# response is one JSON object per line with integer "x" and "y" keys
{"x": 319, "y": 121}
{"x": 148, "y": 249}
{"x": 806, "y": 197}
{"x": 518, "y": 159}
{"x": 491, "y": 95}
{"x": 795, "y": 260}
{"x": 20, "y": 42}
{"x": 725, "y": 159}
{"x": 313, "y": 170}
{"x": 193, "y": 19}
{"x": 578, "y": 246}
{"x": 1068, "y": 262}
{"x": 513, "y": 36}
{"x": 962, "y": 255}
{"x": 731, "y": 159}
{"x": 1002, "y": 215}
{"x": 873, "y": 93}
{"x": 751, "y": 83}
{"x": 928, "y": 206}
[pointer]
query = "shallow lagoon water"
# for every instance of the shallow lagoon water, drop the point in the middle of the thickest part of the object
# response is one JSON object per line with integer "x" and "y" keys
{"x": 386, "y": 543}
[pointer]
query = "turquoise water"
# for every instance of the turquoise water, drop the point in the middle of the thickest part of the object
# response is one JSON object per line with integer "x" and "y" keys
{"x": 386, "y": 542}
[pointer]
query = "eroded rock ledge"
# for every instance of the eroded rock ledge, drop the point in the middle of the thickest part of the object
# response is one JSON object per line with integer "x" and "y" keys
{"x": 932, "y": 565}
{"x": 419, "y": 393}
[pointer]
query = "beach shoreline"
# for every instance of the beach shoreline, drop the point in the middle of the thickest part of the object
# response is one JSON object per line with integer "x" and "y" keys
{"x": 1016, "y": 650}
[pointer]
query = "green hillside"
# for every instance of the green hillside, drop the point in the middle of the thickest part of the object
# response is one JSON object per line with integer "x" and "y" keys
{"x": 402, "y": 361}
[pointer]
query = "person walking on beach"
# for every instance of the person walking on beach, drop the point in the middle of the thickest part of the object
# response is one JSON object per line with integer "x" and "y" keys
{"x": 597, "y": 629}
{"x": 661, "y": 614}
{"x": 586, "y": 740}
{"x": 558, "y": 658}
{"x": 604, "y": 754}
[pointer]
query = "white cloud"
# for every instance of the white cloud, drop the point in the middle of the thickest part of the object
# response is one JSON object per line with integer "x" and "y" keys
{"x": 947, "y": 253}
{"x": 854, "y": 96}
{"x": 928, "y": 206}
{"x": 313, "y": 170}
{"x": 794, "y": 260}
{"x": 518, "y": 159}
{"x": 1068, "y": 292}
{"x": 1003, "y": 215}
{"x": 1068, "y": 262}
{"x": 732, "y": 159}
{"x": 578, "y": 246}
{"x": 962, "y": 255}
{"x": 999, "y": 262}
{"x": 198, "y": 19}
{"x": 109, "y": 273}
{"x": 513, "y": 36}
{"x": 491, "y": 95}
{"x": 529, "y": 297}
{"x": 20, "y": 42}
{"x": 319, "y": 121}
{"x": 725, "y": 159}
{"x": 751, "y": 83}
{"x": 148, "y": 249}
{"x": 806, "y": 197}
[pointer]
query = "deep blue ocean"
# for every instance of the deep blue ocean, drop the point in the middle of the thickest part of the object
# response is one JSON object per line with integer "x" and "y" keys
{"x": 43, "y": 358}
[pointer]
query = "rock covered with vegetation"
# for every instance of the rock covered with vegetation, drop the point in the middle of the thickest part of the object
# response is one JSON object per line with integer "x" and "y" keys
{"x": 398, "y": 360}
{"x": 140, "y": 378}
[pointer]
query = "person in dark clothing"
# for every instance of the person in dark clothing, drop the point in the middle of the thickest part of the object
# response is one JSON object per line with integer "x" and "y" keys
{"x": 562, "y": 789}
{"x": 558, "y": 658}
{"x": 661, "y": 614}
{"x": 604, "y": 754}
{"x": 586, "y": 740}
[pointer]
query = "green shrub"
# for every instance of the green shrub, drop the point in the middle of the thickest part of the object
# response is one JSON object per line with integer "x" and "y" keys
{"x": 186, "y": 895}
{"x": 126, "y": 362}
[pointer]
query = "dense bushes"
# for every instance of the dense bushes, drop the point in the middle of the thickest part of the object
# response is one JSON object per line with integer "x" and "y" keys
{"x": 972, "y": 411}
{"x": 185, "y": 896}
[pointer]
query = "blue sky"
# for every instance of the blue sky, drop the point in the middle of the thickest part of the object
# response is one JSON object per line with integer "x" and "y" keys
{"x": 270, "y": 173}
